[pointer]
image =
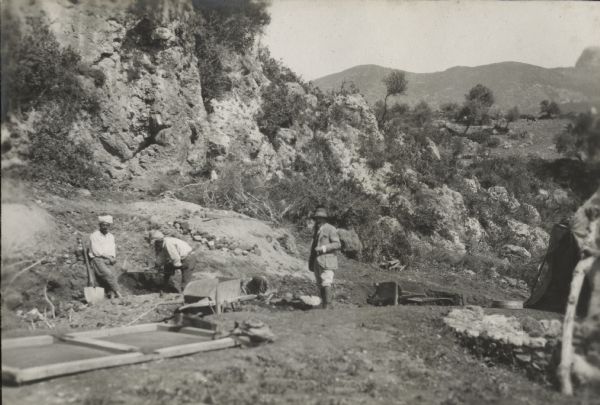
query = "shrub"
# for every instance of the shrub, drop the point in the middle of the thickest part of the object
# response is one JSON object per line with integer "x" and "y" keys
{"x": 237, "y": 190}
{"x": 512, "y": 173}
{"x": 36, "y": 70}
{"x": 481, "y": 137}
{"x": 215, "y": 81}
{"x": 38, "y": 74}
{"x": 234, "y": 23}
{"x": 450, "y": 110}
{"x": 421, "y": 114}
{"x": 54, "y": 156}
{"x": 279, "y": 110}
{"x": 425, "y": 220}
{"x": 549, "y": 109}
{"x": 373, "y": 150}
{"x": 494, "y": 142}
{"x": 513, "y": 114}
{"x": 581, "y": 138}
{"x": 274, "y": 70}
{"x": 410, "y": 153}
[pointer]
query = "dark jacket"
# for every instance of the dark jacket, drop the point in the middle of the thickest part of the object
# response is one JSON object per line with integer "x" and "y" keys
{"x": 325, "y": 236}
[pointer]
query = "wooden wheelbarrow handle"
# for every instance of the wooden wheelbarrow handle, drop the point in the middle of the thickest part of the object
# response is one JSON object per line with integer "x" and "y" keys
{"x": 91, "y": 279}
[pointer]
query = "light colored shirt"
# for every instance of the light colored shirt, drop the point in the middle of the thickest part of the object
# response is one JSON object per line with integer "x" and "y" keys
{"x": 102, "y": 245}
{"x": 326, "y": 241}
{"x": 173, "y": 251}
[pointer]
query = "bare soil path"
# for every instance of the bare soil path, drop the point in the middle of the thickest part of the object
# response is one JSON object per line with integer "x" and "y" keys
{"x": 400, "y": 355}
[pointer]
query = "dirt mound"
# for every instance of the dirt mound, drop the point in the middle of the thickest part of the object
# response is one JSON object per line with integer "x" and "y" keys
{"x": 225, "y": 243}
{"x": 25, "y": 228}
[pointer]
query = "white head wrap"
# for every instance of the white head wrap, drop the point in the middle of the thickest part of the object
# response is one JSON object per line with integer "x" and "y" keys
{"x": 107, "y": 219}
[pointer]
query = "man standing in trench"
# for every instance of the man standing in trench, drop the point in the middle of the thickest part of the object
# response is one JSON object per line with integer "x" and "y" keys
{"x": 102, "y": 254}
{"x": 172, "y": 255}
{"x": 323, "y": 259}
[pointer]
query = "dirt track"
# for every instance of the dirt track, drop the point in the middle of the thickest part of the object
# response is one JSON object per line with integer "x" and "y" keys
{"x": 352, "y": 354}
{"x": 366, "y": 355}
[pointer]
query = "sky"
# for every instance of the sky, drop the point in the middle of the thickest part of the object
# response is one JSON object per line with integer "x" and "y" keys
{"x": 318, "y": 37}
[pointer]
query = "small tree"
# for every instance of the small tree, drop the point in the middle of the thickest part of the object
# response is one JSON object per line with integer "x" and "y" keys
{"x": 395, "y": 84}
{"x": 549, "y": 109}
{"x": 450, "y": 110}
{"x": 512, "y": 115}
{"x": 476, "y": 106}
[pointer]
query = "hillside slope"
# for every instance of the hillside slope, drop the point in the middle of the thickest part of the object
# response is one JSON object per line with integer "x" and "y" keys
{"x": 513, "y": 83}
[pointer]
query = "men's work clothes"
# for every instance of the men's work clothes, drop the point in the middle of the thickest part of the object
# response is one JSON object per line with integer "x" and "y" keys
{"x": 326, "y": 236}
{"x": 104, "y": 274}
{"x": 323, "y": 264}
{"x": 326, "y": 297}
{"x": 323, "y": 276}
{"x": 102, "y": 245}
{"x": 173, "y": 252}
{"x": 169, "y": 271}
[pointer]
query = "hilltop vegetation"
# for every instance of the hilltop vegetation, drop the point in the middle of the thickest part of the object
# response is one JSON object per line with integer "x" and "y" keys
{"x": 177, "y": 98}
{"x": 513, "y": 83}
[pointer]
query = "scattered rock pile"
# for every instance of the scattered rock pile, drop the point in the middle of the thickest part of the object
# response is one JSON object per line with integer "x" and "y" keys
{"x": 522, "y": 343}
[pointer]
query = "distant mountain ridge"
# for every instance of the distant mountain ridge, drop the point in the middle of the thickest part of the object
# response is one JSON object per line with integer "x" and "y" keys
{"x": 513, "y": 83}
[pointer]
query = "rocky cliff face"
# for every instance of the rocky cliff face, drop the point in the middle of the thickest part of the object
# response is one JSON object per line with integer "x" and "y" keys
{"x": 152, "y": 117}
{"x": 153, "y": 120}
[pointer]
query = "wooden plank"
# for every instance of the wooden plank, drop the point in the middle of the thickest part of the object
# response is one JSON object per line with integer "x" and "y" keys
{"x": 10, "y": 374}
{"x": 27, "y": 341}
{"x": 72, "y": 367}
{"x": 100, "y": 344}
{"x": 121, "y": 330}
{"x": 168, "y": 327}
{"x": 183, "y": 350}
{"x": 241, "y": 298}
{"x": 197, "y": 331}
{"x": 203, "y": 303}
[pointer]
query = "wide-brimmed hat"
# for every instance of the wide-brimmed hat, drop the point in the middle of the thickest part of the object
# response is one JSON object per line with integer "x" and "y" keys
{"x": 320, "y": 213}
{"x": 155, "y": 235}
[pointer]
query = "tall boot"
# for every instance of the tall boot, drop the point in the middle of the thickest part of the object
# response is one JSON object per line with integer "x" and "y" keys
{"x": 324, "y": 302}
{"x": 328, "y": 297}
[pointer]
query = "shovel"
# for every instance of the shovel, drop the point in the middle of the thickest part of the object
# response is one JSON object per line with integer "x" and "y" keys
{"x": 91, "y": 293}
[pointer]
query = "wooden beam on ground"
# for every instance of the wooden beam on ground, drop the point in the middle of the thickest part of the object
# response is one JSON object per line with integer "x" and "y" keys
{"x": 121, "y": 330}
{"x": 27, "y": 341}
{"x": 191, "y": 348}
{"x": 73, "y": 367}
{"x": 100, "y": 344}
{"x": 9, "y": 374}
{"x": 197, "y": 331}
